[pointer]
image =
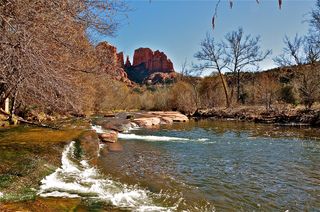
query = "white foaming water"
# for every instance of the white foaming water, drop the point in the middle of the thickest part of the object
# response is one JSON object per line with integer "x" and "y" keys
{"x": 97, "y": 128}
{"x": 101, "y": 146}
{"x": 157, "y": 138}
{"x": 77, "y": 179}
{"x": 203, "y": 139}
{"x": 127, "y": 136}
{"x": 150, "y": 137}
{"x": 133, "y": 127}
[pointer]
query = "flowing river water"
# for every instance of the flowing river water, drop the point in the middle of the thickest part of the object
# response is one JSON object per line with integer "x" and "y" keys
{"x": 196, "y": 166}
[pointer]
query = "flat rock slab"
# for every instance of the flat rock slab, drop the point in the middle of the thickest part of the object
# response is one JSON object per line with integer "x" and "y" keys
{"x": 166, "y": 120}
{"x": 175, "y": 116}
{"x": 156, "y": 118}
{"x": 109, "y": 136}
{"x": 147, "y": 121}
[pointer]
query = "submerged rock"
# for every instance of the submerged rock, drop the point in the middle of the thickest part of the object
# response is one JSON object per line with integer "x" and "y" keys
{"x": 89, "y": 143}
{"x": 115, "y": 147}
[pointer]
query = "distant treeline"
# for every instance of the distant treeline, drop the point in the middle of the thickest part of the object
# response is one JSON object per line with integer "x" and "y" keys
{"x": 48, "y": 64}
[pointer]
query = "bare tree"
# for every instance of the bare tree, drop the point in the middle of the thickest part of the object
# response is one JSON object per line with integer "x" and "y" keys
{"x": 266, "y": 88}
{"x": 300, "y": 50}
{"x": 303, "y": 51}
{"x": 212, "y": 54}
{"x": 44, "y": 49}
{"x": 242, "y": 52}
{"x": 309, "y": 86}
{"x": 292, "y": 52}
{"x": 191, "y": 75}
{"x": 185, "y": 70}
{"x": 314, "y": 20}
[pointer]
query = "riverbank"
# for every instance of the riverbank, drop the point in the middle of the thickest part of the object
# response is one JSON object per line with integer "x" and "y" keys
{"x": 283, "y": 116}
{"x": 280, "y": 115}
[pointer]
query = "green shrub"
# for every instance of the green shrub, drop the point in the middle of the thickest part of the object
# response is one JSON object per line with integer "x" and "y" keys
{"x": 287, "y": 95}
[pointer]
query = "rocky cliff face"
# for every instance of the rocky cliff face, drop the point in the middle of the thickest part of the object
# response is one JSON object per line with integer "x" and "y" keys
{"x": 112, "y": 62}
{"x": 150, "y": 67}
{"x": 120, "y": 59}
{"x": 106, "y": 53}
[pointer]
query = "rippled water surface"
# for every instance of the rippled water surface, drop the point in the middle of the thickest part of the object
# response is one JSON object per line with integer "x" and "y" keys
{"x": 196, "y": 166}
{"x": 232, "y": 166}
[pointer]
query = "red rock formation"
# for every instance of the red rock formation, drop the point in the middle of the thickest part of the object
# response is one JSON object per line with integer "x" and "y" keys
{"x": 154, "y": 61}
{"x": 148, "y": 66}
{"x": 128, "y": 63}
{"x": 106, "y": 53}
{"x": 120, "y": 59}
{"x": 142, "y": 55}
{"x": 160, "y": 77}
{"x": 112, "y": 62}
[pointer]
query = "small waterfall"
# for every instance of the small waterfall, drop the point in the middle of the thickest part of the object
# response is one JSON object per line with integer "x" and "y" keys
{"x": 76, "y": 179}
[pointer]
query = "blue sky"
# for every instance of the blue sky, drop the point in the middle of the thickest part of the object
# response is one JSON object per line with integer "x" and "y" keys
{"x": 177, "y": 26}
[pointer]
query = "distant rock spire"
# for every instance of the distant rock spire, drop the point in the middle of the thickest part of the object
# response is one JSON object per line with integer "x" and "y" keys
{"x": 128, "y": 63}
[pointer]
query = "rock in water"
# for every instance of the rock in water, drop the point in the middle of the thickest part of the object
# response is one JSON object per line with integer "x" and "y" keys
{"x": 147, "y": 121}
{"x": 89, "y": 143}
{"x": 109, "y": 136}
{"x": 115, "y": 147}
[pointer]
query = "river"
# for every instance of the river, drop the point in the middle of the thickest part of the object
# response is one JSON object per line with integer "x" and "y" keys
{"x": 196, "y": 166}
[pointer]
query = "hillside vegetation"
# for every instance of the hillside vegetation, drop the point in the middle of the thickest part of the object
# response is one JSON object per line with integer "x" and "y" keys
{"x": 50, "y": 67}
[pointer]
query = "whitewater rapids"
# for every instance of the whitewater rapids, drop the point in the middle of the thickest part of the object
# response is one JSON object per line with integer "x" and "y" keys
{"x": 77, "y": 179}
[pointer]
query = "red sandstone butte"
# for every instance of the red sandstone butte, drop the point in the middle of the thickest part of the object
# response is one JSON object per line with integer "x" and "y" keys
{"x": 154, "y": 61}
{"x": 148, "y": 66}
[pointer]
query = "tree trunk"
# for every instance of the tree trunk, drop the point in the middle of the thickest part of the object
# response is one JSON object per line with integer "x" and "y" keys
{"x": 13, "y": 107}
{"x": 14, "y": 102}
{"x": 7, "y": 105}
{"x": 225, "y": 88}
{"x": 194, "y": 86}
{"x": 238, "y": 86}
